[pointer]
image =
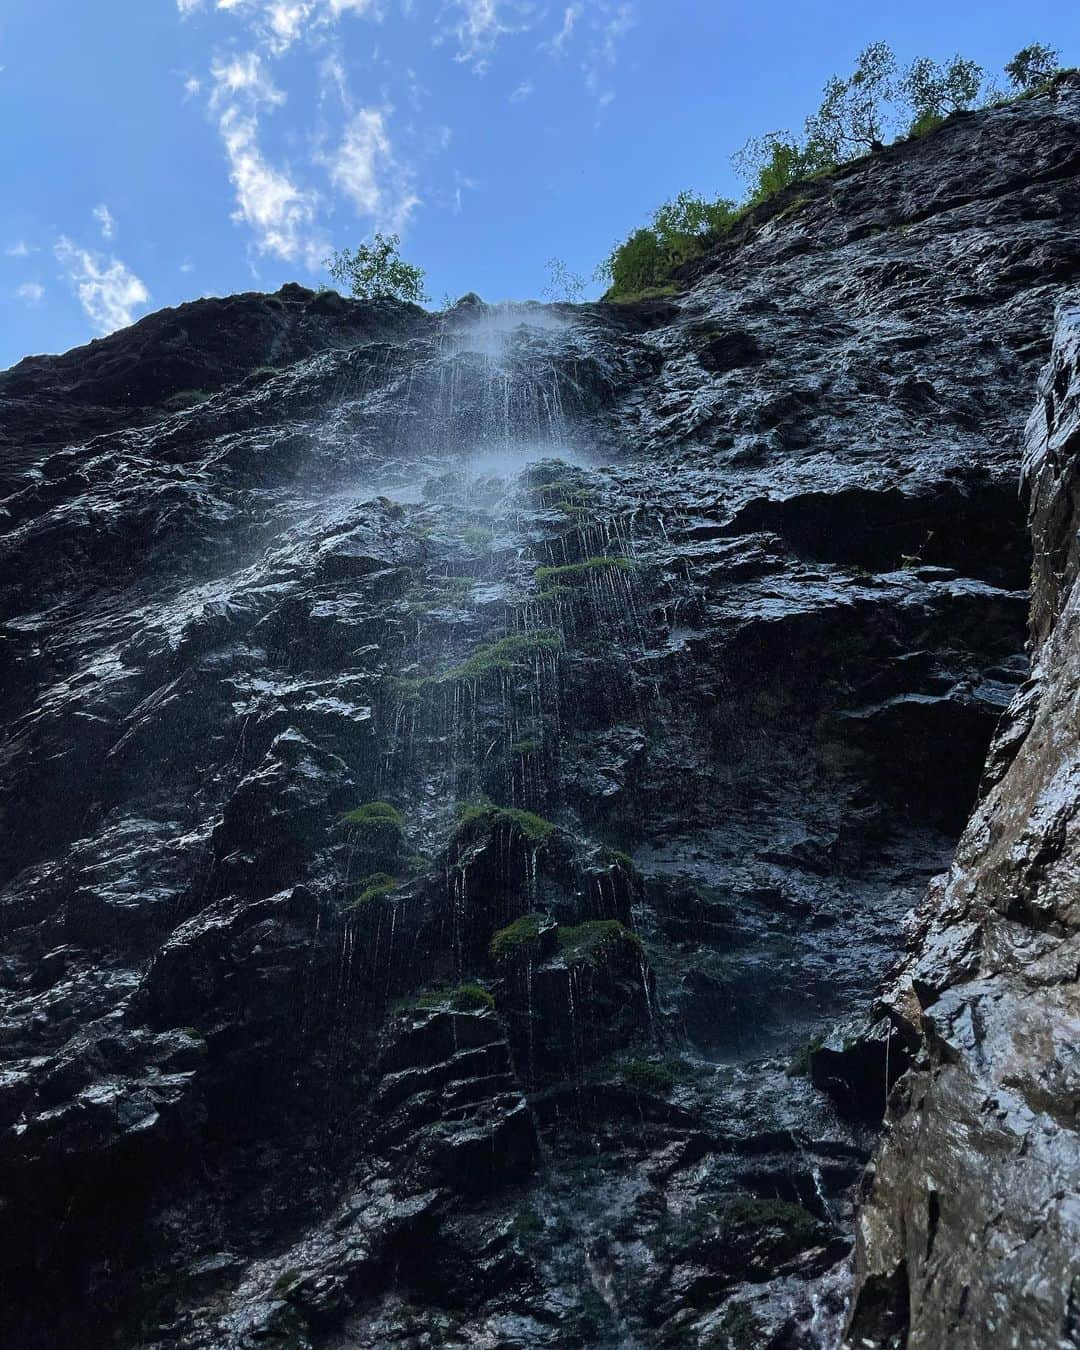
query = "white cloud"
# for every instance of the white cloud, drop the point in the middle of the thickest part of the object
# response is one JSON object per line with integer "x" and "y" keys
{"x": 332, "y": 76}
{"x": 275, "y": 202}
{"x": 364, "y": 169}
{"x": 104, "y": 218}
{"x": 280, "y": 23}
{"x": 571, "y": 14}
{"x": 19, "y": 249}
{"x": 108, "y": 290}
{"x": 31, "y": 292}
{"x": 187, "y": 266}
{"x": 286, "y": 21}
{"x": 522, "y": 92}
{"x": 192, "y": 86}
{"x": 462, "y": 184}
{"x": 338, "y": 7}
{"x": 187, "y": 7}
{"x": 244, "y": 77}
{"x": 281, "y": 215}
{"x": 478, "y": 28}
{"x": 599, "y": 65}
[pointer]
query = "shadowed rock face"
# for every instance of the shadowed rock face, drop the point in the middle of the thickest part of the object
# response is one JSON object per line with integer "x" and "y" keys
{"x": 982, "y": 1135}
{"x": 461, "y": 771}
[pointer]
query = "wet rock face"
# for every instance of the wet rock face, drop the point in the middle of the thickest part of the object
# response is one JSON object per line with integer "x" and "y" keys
{"x": 459, "y": 779}
{"x": 982, "y": 1129}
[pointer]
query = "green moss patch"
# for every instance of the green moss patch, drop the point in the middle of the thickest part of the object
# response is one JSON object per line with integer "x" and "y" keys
{"x": 648, "y": 1076}
{"x": 518, "y": 939}
{"x": 534, "y": 828}
{"x": 590, "y": 942}
{"x": 664, "y": 292}
{"x": 751, "y": 1212}
{"x": 436, "y": 591}
{"x": 374, "y": 817}
{"x": 550, "y": 594}
{"x": 477, "y": 536}
{"x": 378, "y": 829}
{"x": 463, "y": 998}
{"x": 507, "y": 653}
{"x": 578, "y": 571}
{"x": 374, "y": 887}
{"x": 186, "y": 398}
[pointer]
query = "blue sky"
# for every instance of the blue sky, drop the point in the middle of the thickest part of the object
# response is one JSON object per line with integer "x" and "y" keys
{"x": 159, "y": 150}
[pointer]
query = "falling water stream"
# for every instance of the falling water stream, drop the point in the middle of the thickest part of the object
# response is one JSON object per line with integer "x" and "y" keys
{"x": 493, "y": 461}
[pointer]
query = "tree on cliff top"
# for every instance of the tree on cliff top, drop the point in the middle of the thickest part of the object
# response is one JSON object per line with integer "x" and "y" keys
{"x": 376, "y": 271}
{"x": 1032, "y": 66}
{"x": 776, "y": 160}
{"x": 934, "y": 89}
{"x": 858, "y": 114}
{"x": 854, "y": 113}
{"x": 677, "y": 232}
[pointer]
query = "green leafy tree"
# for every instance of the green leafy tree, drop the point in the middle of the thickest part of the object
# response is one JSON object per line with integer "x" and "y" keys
{"x": 638, "y": 264}
{"x": 935, "y": 89}
{"x": 854, "y": 116}
{"x": 776, "y": 160}
{"x": 683, "y": 222}
{"x": 1032, "y": 66}
{"x": 679, "y": 230}
{"x": 377, "y": 271}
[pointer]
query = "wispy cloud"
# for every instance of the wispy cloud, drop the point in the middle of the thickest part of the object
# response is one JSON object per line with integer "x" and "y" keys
{"x": 278, "y": 24}
{"x": 246, "y": 77}
{"x": 104, "y": 218}
{"x": 275, "y": 199}
{"x": 462, "y": 184}
{"x": 571, "y": 14}
{"x": 19, "y": 249}
{"x": 32, "y": 292}
{"x": 477, "y": 26}
{"x": 108, "y": 290}
{"x": 524, "y": 90}
{"x": 364, "y": 168}
{"x": 611, "y": 24}
{"x": 280, "y": 214}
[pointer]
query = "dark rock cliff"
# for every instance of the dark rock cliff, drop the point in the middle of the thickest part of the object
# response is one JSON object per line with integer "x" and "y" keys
{"x": 971, "y": 1229}
{"x": 464, "y": 776}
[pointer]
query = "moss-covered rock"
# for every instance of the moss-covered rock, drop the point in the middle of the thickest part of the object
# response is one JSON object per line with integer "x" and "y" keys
{"x": 374, "y": 887}
{"x": 649, "y": 1076}
{"x": 753, "y": 1213}
{"x": 593, "y": 941}
{"x": 373, "y": 815}
{"x": 508, "y": 653}
{"x": 377, "y": 830}
{"x": 484, "y": 815}
{"x": 186, "y": 398}
{"x": 521, "y": 939}
{"x": 462, "y": 998}
{"x": 579, "y": 571}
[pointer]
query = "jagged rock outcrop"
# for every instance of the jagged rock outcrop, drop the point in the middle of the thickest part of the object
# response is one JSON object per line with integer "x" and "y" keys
{"x": 459, "y": 770}
{"x": 970, "y": 1231}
